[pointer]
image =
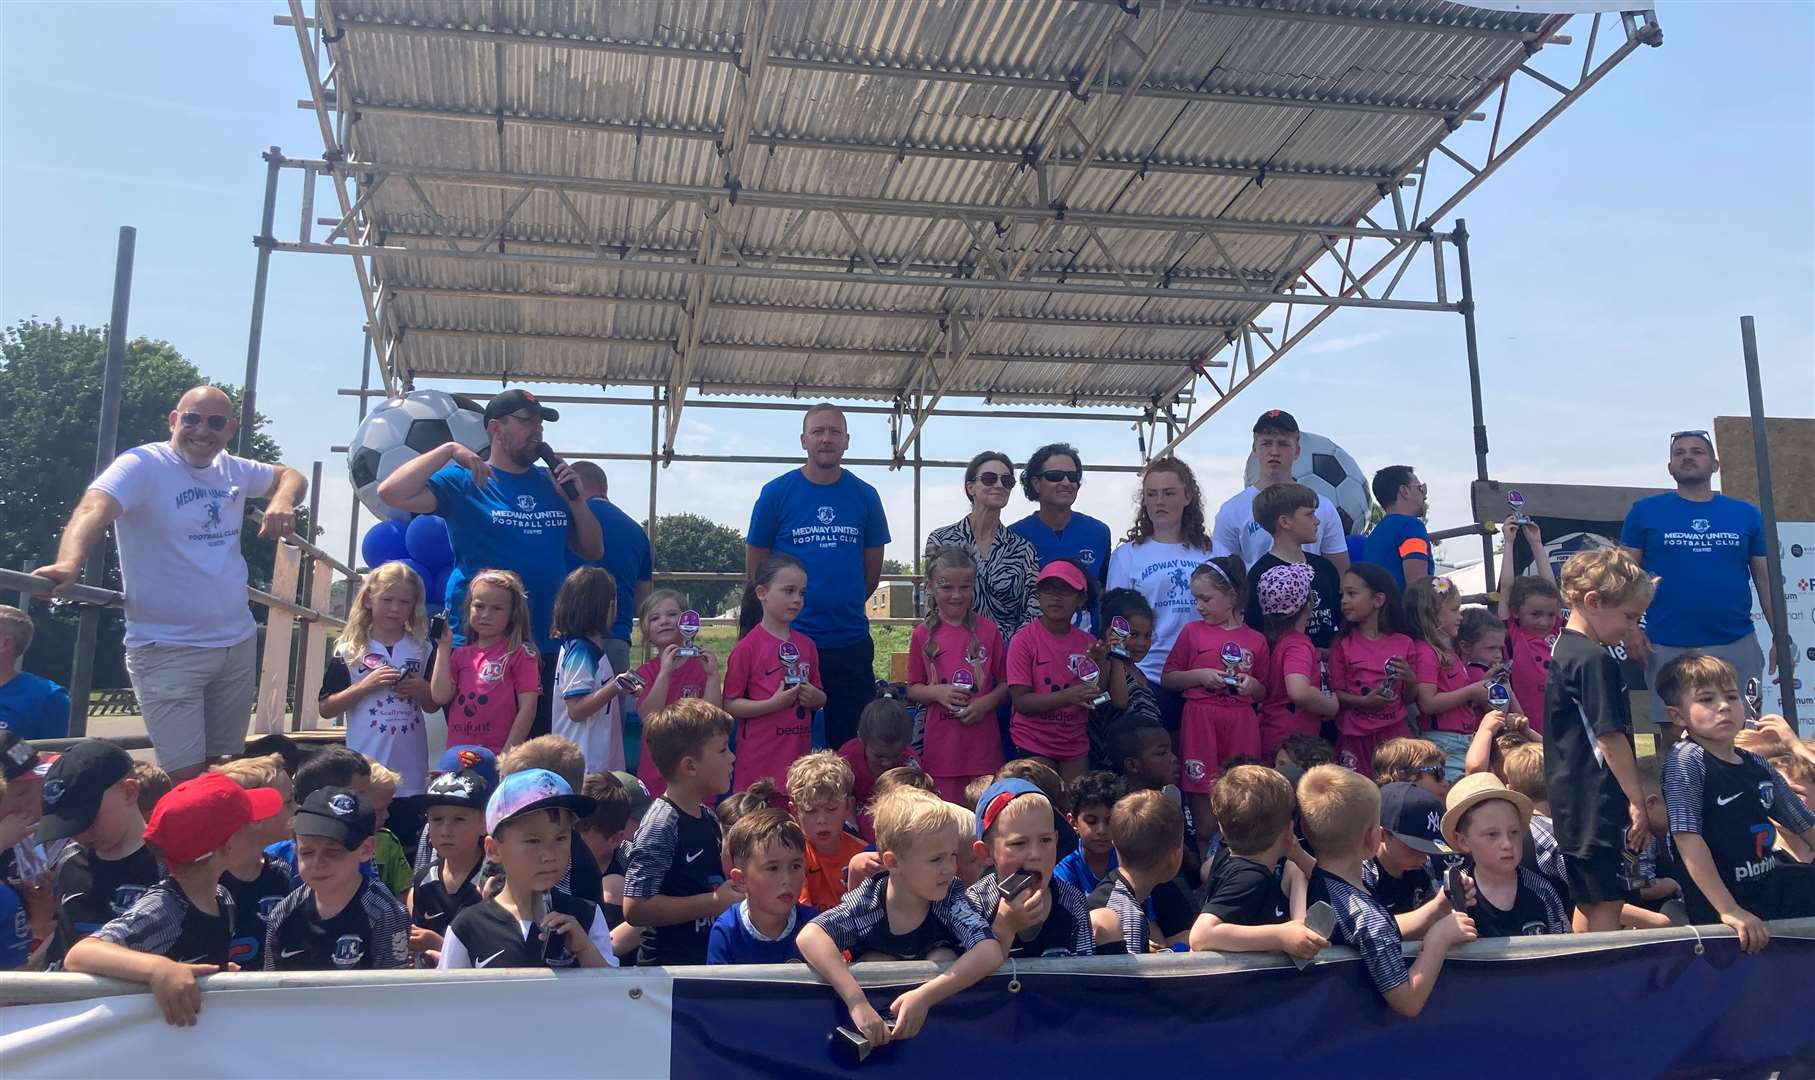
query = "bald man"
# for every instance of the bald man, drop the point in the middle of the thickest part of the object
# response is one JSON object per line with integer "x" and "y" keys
{"x": 176, "y": 509}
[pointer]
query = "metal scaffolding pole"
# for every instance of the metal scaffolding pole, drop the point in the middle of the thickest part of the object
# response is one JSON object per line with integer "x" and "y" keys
{"x": 1467, "y": 307}
{"x": 365, "y": 387}
{"x": 248, "y": 400}
{"x": 1781, "y": 645}
{"x": 107, "y": 438}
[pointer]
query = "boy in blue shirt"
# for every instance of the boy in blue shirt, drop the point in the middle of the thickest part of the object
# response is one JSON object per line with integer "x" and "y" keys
{"x": 31, "y": 706}
{"x": 1092, "y": 797}
{"x": 769, "y": 859}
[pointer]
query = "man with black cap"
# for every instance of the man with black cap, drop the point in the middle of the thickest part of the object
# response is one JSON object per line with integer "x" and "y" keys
{"x": 1237, "y": 533}
{"x": 338, "y": 919}
{"x": 504, "y": 513}
{"x": 92, "y": 798}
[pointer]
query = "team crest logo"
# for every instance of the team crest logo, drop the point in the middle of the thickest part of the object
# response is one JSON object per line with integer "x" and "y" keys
{"x": 53, "y": 790}
{"x": 124, "y": 896}
{"x": 491, "y": 671}
{"x": 1767, "y": 793}
{"x": 1433, "y": 820}
{"x": 1194, "y": 770}
{"x": 266, "y": 905}
{"x": 214, "y": 516}
{"x": 1532, "y": 928}
{"x": 1087, "y": 556}
{"x": 1699, "y": 524}
{"x": 349, "y": 949}
{"x": 526, "y": 502}
{"x": 826, "y": 515}
{"x": 342, "y": 804}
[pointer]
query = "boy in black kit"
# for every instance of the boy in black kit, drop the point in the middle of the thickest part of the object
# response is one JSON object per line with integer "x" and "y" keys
{"x": 1144, "y": 754}
{"x": 1289, "y": 514}
{"x": 183, "y": 926}
{"x": 338, "y": 919}
{"x": 1148, "y": 830}
{"x": 1017, "y": 834}
{"x": 1405, "y": 874}
{"x": 1597, "y": 804}
{"x": 675, "y": 881}
{"x": 1722, "y": 803}
{"x": 1488, "y": 823}
{"x": 91, "y": 796}
{"x": 449, "y": 884}
{"x": 1256, "y": 900}
{"x": 1340, "y": 811}
{"x": 260, "y": 881}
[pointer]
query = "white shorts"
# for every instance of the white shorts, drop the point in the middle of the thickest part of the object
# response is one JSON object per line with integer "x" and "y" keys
{"x": 197, "y": 702}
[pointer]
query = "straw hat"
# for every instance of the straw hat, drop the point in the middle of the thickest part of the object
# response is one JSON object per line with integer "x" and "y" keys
{"x": 1475, "y": 789}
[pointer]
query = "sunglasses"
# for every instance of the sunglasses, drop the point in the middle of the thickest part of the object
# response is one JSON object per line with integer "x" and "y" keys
{"x": 194, "y": 419}
{"x": 1434, "y": 771}
{"x": 1060, "y": 476}
{"x": 1006, "y": 480}
{"x": 1698, "y": 433}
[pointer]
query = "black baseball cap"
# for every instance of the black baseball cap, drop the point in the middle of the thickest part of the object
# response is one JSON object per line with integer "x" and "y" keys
{"x": 17, "y": 757}
{"x": 1414, "y": 816}
{"x": 464, "y": 787}
{"x": 74, "y": 785}
{"x": 338, "y": 814}
{"x": 516, "y": 401}
{"x": 1271, "y": 420}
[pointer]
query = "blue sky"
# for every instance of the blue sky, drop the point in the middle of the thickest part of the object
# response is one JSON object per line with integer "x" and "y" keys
{"x": 1612, "y": 260}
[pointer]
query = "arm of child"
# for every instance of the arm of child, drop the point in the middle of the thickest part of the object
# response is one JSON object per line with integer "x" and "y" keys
{"x": 812, "y": 694}
{"x": 172, "y": 984}
{"x": 1503, "y": 586}
{"x": 1699, "y": 861}
{"x": 1212, "y": 934}
{"x": 332, "y": 705}
{"x": 1616, "y": 751}
{"x": 910, "y": 1009}
{"x": 715, "y": 680}
{"x": 1116, "y": 682}
{"x": 669, "y": 910}
{"x": 1028, "y": 703}
{"x": 1414, "y": 924}
{"x": 441, "y": 678}
{"x": 583, "y": 707}
{"x": 1409, "y": 997}
{"x": 1480, "y": 756}
{"x": 526, "y": 715}
{"x": 1306, "y": 695}
{"x": 1432, "y": 701}
{"x": 822, "y": 955}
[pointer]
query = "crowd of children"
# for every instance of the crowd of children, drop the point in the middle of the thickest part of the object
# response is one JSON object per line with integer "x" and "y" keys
{"x": 1351, "y": 766}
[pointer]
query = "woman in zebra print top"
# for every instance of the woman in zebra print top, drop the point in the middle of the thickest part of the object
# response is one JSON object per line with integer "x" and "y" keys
{"x": 1006, "y": 563}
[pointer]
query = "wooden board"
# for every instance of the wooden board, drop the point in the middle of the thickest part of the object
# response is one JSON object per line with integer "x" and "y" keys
{"x": 1792, "y": 447}
{"x": 1576, "y": 502}
{"x": 314, "y": 658}
{"x": 274, "y": 669}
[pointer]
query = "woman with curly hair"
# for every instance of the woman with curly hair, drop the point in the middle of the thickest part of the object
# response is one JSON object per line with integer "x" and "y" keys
{"x": 1168, "y": 541}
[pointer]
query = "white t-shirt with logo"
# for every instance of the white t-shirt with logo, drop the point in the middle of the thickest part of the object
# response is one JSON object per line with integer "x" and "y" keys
{"x": 1237, "y": 533}
{"x": 386, "y": 726}
{"x": 179, "y": 544}
{"x": 1161, "y": 573}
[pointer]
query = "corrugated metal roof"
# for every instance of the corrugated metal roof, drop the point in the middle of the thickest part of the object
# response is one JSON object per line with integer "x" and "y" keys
{"x": 639, "y": 90}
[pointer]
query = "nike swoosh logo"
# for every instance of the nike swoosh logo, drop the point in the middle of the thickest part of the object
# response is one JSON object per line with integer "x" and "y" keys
{"x": 73, "y": 896}
{"x": 490, "y": 958}
{"x": 288, "y": 953}
{"x": 1718, "y": 801}
{"x": 431, "y": 916}
{"x": 696, "y": 854}
{"x": 202, "y": 959}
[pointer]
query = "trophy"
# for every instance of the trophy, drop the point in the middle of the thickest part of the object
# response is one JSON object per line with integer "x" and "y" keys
{"x": 964, "y": 680}
{"x": 1755, "y": 702}
{"x": 790, "y": 664}
{"x": 1232, "y": 662}
{"x": 1323, "y": 675}
{"x": 629, "y": 682}
{"x": 1517, "y": 502}
{"x": 689, "y": 626}
{"x": 1088, "y": 674}
{"x": 1392, "y": 679}
{"x": 1118, "y": 638}
{"x": 848, "y": 1047}
{"x": 1497, "y": 696}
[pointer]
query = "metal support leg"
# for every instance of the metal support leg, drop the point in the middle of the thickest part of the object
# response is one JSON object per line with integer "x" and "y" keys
{"x": 365, "y": 383}
{"x": 107, "y": 437}
{"x": 1467, "y": 307}
{"x": 1767, "y": 504}
{"x": 248, "y": 402}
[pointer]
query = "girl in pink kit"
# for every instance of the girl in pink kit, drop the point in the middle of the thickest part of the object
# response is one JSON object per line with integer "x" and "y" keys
{"x": 667, "y": 676}
{"x": 772, "y": 676}
{"x": 1297, "y": 702}
{"x": 956, "y": 668}
{"x": 1531, "y": 606}
{"x": 1216, "y": 663}
{"x": 1368, "y": 667}
{"x": 489, "y": 685}
{"x": 1447, "y": 690}
{"x": 1051, "y": 701}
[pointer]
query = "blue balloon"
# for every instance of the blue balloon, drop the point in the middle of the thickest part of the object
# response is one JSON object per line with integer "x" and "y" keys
{"x": 428, "y": 542}
{"x": 423, "y": 573}
{"x": 383, "y": 543}
{"x": 437, "y": 594}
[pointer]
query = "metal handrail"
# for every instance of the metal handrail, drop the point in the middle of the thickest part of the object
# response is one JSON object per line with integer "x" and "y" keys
{"x": 19, "y": 581}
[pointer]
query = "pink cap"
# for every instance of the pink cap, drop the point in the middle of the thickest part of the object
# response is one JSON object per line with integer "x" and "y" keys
{"x": 1060, "y": 570}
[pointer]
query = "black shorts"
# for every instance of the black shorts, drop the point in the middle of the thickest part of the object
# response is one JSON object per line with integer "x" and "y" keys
{"x": 1595, "y": 876}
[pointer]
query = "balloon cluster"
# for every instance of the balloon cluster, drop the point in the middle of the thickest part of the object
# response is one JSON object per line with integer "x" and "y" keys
{"x": 421, "y": 544}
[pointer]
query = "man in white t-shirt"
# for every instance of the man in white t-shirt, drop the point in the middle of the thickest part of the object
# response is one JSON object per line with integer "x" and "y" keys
{"x": 1237, "y": 533}
{"x": 176, "y": 509}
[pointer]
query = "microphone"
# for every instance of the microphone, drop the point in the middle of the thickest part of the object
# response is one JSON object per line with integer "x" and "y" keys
{"x": 550, "y": 459}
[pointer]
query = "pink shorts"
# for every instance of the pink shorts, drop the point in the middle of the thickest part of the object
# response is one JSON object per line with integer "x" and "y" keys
{"x": 1211, "y": 733}
{"x": 1357, "y": 751}
{"x": 951, "y": 788}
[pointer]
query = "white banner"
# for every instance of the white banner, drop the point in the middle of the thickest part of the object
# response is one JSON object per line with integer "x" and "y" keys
{"x": 1796, "y": 545}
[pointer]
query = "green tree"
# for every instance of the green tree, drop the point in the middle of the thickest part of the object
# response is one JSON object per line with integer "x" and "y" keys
{"x": 50, "y": 407}
{"x": 689, "y": 542}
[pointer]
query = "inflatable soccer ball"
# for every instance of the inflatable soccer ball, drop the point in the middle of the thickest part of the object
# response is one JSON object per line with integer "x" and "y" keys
{"x": 1328, "y": 470}
{"x": 402, "y": 428}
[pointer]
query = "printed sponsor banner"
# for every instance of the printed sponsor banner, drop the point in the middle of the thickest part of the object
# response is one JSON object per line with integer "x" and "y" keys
{"x": 1796, "y": 546}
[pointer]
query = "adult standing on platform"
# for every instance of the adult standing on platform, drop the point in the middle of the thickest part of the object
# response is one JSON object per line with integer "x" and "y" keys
{"x": 626, "y": 557}
{"x": 1006, "y": 562}
{"x": 1237, "y": 533}
{"x": 1705, "y": 549}
{"x": 1167, "y": 543}
{"x": 504, "y": 514}
{"x": 833, "y": 523}
{"x": 176, "y": 509}
{"x": 1400, "y": 544}
{"x": 1054, "y": 474}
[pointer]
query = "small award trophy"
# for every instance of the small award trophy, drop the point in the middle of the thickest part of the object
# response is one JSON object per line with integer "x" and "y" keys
{"x": 689, "y": 626}
{"x": 629, "y": 682}
{"x": 1755, "y": 703}
{"x": 1497, "y": 696}
{"x": 1088, "y": 674}
{"x": 1118, "y": 637}
{"x": 965, "y": 681}
{"x": 1392, "y": 678}
{"x": 1517, "y": 502}
{"x": 790, "y": 664}
{"x": 1232, "y": 663}
{"x": 1323, "y": 675}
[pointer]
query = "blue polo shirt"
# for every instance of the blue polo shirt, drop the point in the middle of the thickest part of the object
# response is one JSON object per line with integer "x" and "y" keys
{"x": 517, "y": 522}
{"x": 33, "y": 707}
{"x": 626, "y": 557}
{"x": 1398, "y": 537}
{"x": 1084, "y": 538}
{"x": 827, "y": 527}
{"x": 1702, "y": 553}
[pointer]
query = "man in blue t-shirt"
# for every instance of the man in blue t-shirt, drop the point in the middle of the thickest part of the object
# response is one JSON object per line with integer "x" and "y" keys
{"x": 31, "y": 706}
{"x": 626, "y": 557}
{"x": 833, "y": 523}
{"x": 1706, "y": 550}
{"x": 1052, "y": 478}
{"x": 1400, "y": 545}
{"x": 504, "y": 514}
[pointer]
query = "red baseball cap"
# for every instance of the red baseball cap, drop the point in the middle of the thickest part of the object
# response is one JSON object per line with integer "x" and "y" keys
{"x": 200, "y": 815}
{"x": 1060, "y": 570}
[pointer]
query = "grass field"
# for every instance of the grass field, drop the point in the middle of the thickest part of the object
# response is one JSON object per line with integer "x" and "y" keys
{"x": 719, "y": 640}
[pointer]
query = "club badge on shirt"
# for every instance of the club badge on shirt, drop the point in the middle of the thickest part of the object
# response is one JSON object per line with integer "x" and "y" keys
{"x": 491, "y": 671}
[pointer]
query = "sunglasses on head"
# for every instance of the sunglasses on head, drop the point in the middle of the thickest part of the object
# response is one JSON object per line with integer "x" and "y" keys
{"x": 1060, "y": 476}
{"x": 1702, "y": 435}
{"x": 1006, "y": 480}
{"x": 215, "y": 423}
{"x": 1433, "y": 771}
